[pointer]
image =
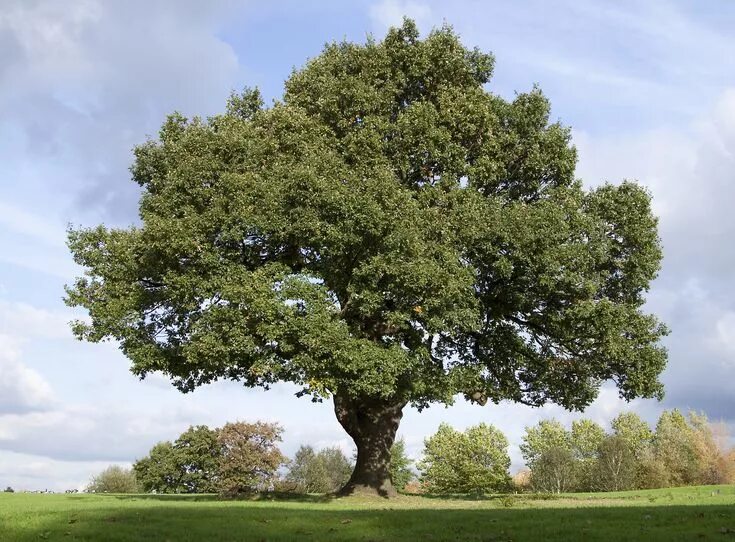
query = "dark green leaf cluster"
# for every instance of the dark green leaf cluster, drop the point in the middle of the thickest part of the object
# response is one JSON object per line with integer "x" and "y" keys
{"x": 390, "y": 229}
{"x": 188, "y": 465}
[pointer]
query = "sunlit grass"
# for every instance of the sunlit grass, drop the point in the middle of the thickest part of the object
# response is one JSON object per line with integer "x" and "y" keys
{"x": 691, "y": 513}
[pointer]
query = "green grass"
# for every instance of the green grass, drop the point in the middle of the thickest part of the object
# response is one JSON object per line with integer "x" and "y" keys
{"x": 692, "y": 513}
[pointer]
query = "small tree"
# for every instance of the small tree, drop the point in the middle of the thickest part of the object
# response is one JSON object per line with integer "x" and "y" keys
{"x": 554, "y": 471}
{"x": 522, "y": 480}
{"x": 709, "y": 451}
{"x": 726, "y": 463}
{"x": 400, "y": 465}
{"x": 198, "y": 454}
{"x": 586, "y": 438}
{"x": 675, "y": 446}
{"x": 650, "y": 471}
{"x": 250, "y": 457}
{"x": 189, "y": 465}
{"x": 475, "y": 461}
{"x": 338, "y": 466}
{"x": 306, "y": 472}
{"x": 634, "y": 431}
{"x": 615, "y": 467}
{"x": 322, "y": 472}
{"x": 546, "y": 435}
{"x": 8, "y": 490}
{"x": 114, "y": 479}
{"x": 727, "y": 467}
{"x": 199, "y": 459}
{"x": 160, "y": 470}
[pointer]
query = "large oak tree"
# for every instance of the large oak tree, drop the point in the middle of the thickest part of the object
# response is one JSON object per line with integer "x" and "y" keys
{"x": 389, "y": 233}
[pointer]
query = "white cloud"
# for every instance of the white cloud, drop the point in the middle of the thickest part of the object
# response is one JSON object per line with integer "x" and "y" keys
{"x": 689, "y": 172}
{"x": 25, "y": 321}
{"x": 84, "y": 82}
{"x": 22, "y": 389}
{"x": 27, "y": 472}
{"x": 34, "y": 242}
{"x": 387, "y": 13}
{"x": 93, "y": 432}
{"x": 81, "y": 83}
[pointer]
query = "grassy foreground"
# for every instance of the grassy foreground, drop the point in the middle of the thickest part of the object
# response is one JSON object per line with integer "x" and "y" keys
{"x": 691, "y": 513}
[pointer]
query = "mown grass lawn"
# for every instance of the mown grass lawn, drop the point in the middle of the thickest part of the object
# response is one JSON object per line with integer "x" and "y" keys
{"x": 693, "y": 513}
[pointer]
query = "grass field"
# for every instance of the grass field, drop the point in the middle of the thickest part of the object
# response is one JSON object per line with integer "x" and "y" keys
{"x": 692, "y": 513}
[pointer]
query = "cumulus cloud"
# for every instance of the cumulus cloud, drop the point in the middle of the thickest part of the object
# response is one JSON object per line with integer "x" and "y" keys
{"x": 22, "y": 389}
{"x": 83, "y": 82}
{"x": 92, "y": 432}
{"x": 33, "y": 472}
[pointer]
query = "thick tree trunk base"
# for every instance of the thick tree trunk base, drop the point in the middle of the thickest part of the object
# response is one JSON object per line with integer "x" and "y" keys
{"x": 363, "y": 490}
{"x": 372, "y": 424}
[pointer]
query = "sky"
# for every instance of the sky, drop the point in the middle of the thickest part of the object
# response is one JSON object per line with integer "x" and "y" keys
{"x": 647, "y": 87}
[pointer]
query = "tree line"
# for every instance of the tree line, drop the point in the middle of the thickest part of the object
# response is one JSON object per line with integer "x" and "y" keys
{"x": 680, "y": 450}
{"x": 244, "y": 457}
{"x": 236, "y": 458}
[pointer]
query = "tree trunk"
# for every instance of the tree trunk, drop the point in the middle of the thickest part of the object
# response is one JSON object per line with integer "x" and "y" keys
{"x": 372, "y": 424}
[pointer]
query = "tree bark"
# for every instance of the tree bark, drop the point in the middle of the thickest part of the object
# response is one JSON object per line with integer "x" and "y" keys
{"x": 372, "y": 424}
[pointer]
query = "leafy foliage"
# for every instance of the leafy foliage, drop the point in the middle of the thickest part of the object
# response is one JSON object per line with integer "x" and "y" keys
{"x": 554, "y": 471}
{"x": 160, "y": 471}
{"x": 389, "y": 233}
{"x": 114, "y": 479}
{"x": 615, "y": 466}
{"x": 388, "y": 214}
{"x": 547, "y": 434}
{"x": 475, "y": 461}
{"x": 650, "y": 472}
{"x": 682, "y": 451}
{"x": 711, "y": 450}
{"x": 633, "y": 430}
{"x": 675, "y": 447}
{"x": 319, "y": 472}
{"x": 400, "y": 465}
{"x": 238, "y": 457}
{"x": 585, "y": 439}
{"x": 189, "y": 465}
{"x": 249, "y": 457}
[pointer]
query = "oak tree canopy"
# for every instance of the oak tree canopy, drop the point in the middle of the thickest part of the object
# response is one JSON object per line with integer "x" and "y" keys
{"x": 388, "y": 233}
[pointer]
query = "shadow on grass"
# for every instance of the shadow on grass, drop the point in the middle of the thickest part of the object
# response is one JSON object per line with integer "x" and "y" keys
{"x": 214, "y": 497}
{"x": 497, "y": 497}
{"x": 173, "y": 519}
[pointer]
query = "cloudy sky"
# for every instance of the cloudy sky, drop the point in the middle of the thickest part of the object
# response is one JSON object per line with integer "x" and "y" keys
{"x": 649, "y": 89}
